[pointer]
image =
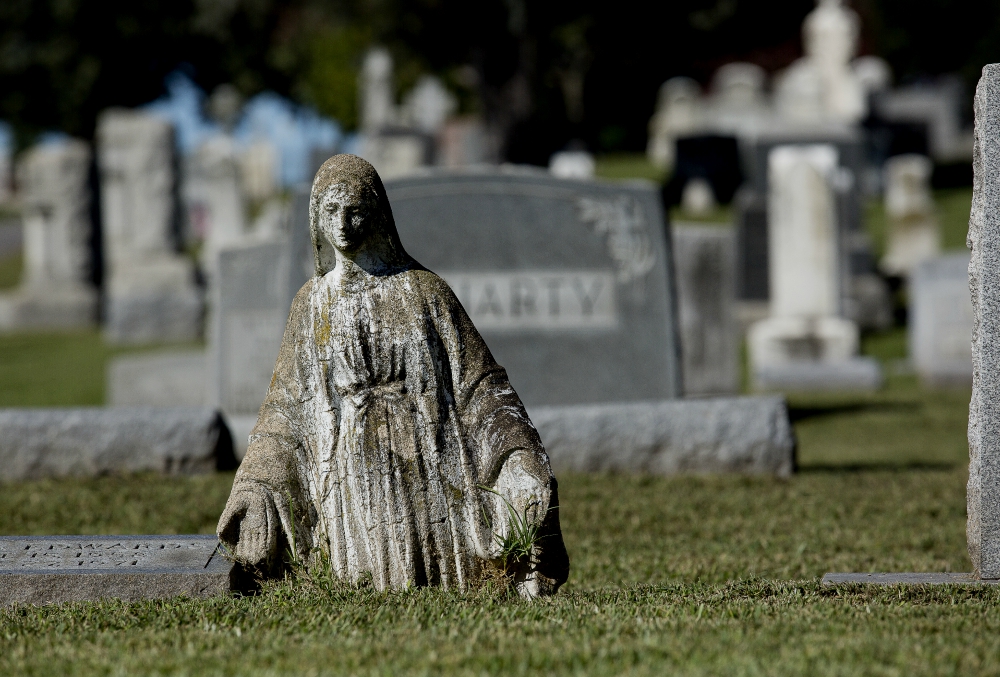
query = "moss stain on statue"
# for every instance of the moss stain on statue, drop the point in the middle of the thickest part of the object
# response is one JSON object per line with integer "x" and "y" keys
{"x": 385, "y": 416}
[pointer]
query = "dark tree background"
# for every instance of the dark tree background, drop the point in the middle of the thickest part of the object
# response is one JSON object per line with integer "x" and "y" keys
{"x": 548, "y": 72}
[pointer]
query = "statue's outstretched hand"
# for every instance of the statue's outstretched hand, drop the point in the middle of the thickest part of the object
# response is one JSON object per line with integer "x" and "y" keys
{"x": 249, "y": 526}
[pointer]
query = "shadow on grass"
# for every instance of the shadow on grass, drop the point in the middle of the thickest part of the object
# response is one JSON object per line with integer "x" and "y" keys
{"x": 826, "y": 468}
{"x": 800, "y": 413}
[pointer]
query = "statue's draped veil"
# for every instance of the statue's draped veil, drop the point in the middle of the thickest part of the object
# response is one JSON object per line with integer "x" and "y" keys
{"x": 385, "y": 418}
{"x": 358, "y": 177}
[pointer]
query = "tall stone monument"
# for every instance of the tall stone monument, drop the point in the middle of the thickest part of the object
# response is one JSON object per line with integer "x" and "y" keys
{"x": 806, "y": 343}
{"x": 56, "y": 289}
{"x": 913, "y": 234}
{"x": 150, "y": 289}
{"x": 393, "y": 149}
{"x": 983, "y": 530}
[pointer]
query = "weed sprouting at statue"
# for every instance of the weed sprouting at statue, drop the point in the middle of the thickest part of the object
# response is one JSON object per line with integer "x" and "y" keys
{"x": 390, "y": 441}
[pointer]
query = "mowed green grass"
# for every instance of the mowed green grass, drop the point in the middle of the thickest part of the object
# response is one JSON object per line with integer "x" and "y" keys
{"x": 685, "y": 575}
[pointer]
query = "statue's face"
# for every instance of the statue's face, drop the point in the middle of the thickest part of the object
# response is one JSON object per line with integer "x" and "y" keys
{"x": 345, "y": 218}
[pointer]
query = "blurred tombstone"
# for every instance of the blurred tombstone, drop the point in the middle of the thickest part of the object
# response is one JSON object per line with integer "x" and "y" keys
{"x": 806, "y": 344}
{"x": 873, "y": 73}
{"x": 679, "y": 112}
{"x": 739, "y": 86}
{"x": 865, "y": 296}
{"x": 572, "y": 164}
{"x": 738, "y": 104}
{"x": 396, "y": 153}
{"x": 569, "y": 282}
{"x": 465, "y": 142}
{"x": 150, "y": 290}
{"x": 258, "y": 165}
{"x": 822, "y": 88}
{"x": 937, "y": 108}
{"x": 428, "y": 105}
{"x": 830, "y": 38}
{"x": 56, "y": 289}
{"x": 224, "y": 105}
{"x": 214, "y": 187}
{"x": 697, "y": 198}
{"x": 940, "y": 320}
{"x": 912, "y": 233}
{"x": 378, "y": 107}
{"x": 394, "y": 150}
{"x": 704, "y": 260}
{"x": 798, "y": 94}
{"x": 252, "y": 297}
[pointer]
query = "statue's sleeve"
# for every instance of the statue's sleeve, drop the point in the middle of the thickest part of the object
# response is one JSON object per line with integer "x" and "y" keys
{"x": 489, "y": 410}
{"x": 271, "y": 466}
{"x": 510, "y": 457}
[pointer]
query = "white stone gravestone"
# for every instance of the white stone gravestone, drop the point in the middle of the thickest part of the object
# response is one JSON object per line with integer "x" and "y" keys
{"x": 679, "y": 112}
{"x": 705, "y": 261}
{"x": 55, "y": 289}
{"x": 150, "y": 290}
{"x": 940, "y": 321}
{"x": 806, "y": 343}
{"x": 215, "y": 184}
{"x": 912, "y": 233}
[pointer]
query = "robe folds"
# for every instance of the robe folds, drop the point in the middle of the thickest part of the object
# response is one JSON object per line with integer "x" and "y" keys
{"x": 386, "y": 422}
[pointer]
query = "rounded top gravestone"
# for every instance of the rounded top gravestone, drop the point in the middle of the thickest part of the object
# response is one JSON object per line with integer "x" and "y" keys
{"x": 390, "y": 444}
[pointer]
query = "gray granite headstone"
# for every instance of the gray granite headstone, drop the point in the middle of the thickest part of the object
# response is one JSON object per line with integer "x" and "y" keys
{"x": 940, "y": 322}
{"x": 55, "y": 569}
{"x": 983, "y": 529}
{"x": 569, "y": 282}
{"x": 749, "y": 435}
{"x": 704, "y": 259}
{"x": 37, "y": 443}
{"x": 252, "y": 297}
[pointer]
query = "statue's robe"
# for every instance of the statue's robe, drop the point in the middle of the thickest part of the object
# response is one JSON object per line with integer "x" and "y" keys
{"x": 385, "y": 419}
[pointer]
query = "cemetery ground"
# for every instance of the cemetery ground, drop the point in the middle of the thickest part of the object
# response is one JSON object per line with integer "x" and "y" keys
{"x": 688, "y": 575}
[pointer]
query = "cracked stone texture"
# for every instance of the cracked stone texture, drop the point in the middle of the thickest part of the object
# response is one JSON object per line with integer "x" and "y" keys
{"x": 385, "y": 418}
{"x": 983, "y": 529}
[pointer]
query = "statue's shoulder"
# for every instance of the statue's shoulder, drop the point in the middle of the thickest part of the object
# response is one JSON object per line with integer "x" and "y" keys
{"x": 302, "y": 295}
{"x": 428, "y": 281}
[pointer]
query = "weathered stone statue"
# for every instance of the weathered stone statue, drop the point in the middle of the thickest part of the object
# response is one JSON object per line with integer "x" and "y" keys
{"x": 390, "y": 440}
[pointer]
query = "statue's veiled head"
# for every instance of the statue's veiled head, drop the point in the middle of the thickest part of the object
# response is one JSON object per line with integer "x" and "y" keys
{"x": 349, "y": 214}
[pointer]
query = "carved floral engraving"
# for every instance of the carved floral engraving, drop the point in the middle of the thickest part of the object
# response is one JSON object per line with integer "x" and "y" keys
{"x": 623, "y": 222}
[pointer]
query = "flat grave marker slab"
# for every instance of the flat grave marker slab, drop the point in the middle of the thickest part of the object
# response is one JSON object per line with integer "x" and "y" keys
{"x": 934, "y": 578}
{"x": 56, "y": 569}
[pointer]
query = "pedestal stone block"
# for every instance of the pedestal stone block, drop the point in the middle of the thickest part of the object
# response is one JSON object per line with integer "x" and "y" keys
{"x": 749, "y": 435}
{"x": 37, "y": 443}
